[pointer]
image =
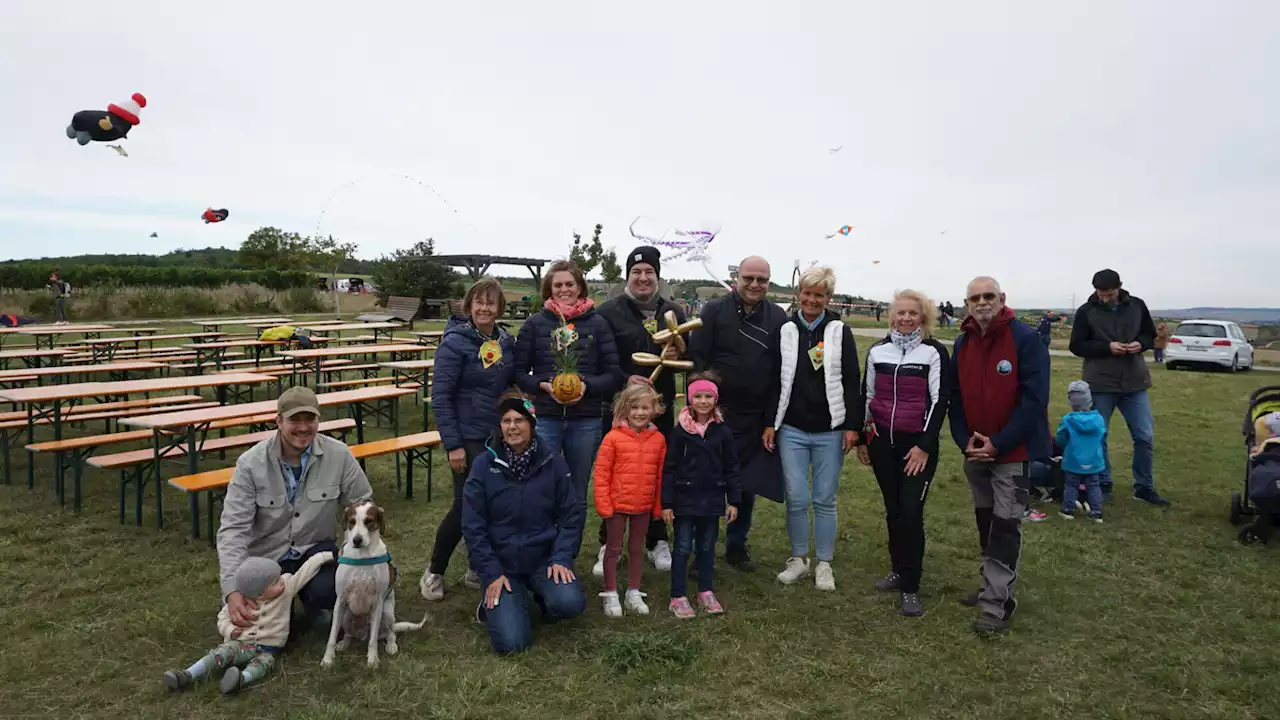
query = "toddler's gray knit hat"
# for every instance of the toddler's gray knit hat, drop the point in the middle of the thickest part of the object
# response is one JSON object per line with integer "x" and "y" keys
{"x": 1273, "y": 423}
{"x": 255, "y": 575}
{"x": 1080, "y": 396}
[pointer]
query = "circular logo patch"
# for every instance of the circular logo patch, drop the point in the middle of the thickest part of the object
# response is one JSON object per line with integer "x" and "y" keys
{"x": 1004, "y": 367}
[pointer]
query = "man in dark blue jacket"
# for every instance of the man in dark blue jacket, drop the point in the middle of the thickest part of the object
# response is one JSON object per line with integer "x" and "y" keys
{"x": 1000, "y": 421}
{"x": 523, "y": 524}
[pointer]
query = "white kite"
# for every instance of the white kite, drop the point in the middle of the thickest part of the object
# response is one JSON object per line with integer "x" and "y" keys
{"x": 835, "y": 150}
{"x": 690, "y": 244}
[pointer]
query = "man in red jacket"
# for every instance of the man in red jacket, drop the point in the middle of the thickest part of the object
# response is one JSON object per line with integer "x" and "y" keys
{"x": 999, "y": 419}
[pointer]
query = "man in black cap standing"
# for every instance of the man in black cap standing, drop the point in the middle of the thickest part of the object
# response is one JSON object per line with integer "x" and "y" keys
{"x": 1111, "y": 332}
{"x": 635, "y": 316}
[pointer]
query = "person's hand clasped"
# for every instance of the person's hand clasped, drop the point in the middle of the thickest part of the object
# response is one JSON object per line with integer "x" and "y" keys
{"x": 241, "y": 610}
{"x": 730, "y": 513}
{"x": 559, "y": 574}
{"x": 494, "y": 591}
{"x": 848, "y": 440}
{"x": 1118, "y": 348}
{"x": 864, "y": 455}
{"x": 668, "y": 515}
{"x": 582, "y": 392}
{"x": 980, "y": 449}
{"x": 768, "y": 439}
{"x": 458, "y": 460}
{"x": 916, "y": 460}
{"x": 1133, "y": 348}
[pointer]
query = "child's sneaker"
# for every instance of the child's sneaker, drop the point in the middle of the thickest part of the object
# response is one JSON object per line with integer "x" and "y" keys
{"x": 597, "y": 570}
{"x": 1067, "y": 514}
{"x": 178, "y": 679}
{"x": 634, "y": 602}
{"x": 797, "y": 569}
{"x": 230, "y": 680}
{"x": 471, "y": 579}
{"x": 707, "y": 601}
{"x": 1033, "y": 515}
{"x": 681, "y": 608}
{"x": 612, "y": 608}
{"x": 1096, "y": 517}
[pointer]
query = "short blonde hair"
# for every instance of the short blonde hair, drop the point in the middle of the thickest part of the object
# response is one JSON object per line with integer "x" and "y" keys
{"x": 631, "y": 396}
{"x": 928, "y": 311}
{"x": 821, "y": 275}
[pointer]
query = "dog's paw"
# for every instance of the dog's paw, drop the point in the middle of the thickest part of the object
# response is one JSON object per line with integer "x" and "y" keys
{"x": 372, "y": 662}
{"x": 327, "y": 660}
{"x": 392, "y": 646}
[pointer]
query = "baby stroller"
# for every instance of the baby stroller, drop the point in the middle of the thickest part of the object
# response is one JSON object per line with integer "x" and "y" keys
{"x": 1263, "y": 401}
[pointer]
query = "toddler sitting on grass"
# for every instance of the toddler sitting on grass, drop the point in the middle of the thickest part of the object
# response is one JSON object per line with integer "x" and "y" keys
{"x": 252, "y": 648}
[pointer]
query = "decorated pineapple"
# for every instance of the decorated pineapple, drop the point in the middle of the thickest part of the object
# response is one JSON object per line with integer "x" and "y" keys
{"x": 566, "y": 386}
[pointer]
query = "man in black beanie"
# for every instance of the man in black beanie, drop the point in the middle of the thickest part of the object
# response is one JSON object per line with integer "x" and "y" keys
{"x": 1111, "y": 332}
{"x": 635, "y": 316}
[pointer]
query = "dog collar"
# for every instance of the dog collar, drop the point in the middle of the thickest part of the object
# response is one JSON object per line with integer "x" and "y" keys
{"x": 376, "y": 560}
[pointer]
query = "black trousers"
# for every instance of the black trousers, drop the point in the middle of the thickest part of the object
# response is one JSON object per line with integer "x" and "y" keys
{"x": 450, "y": 532}
{"x": 321, "y": 593}
{"x": 904, "y": 497}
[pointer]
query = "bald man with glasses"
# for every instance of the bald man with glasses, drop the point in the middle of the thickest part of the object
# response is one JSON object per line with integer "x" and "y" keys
{"x": 738, "y": 341}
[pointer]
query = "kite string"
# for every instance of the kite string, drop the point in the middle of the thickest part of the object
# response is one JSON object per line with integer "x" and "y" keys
{"x": 324, "y": 209}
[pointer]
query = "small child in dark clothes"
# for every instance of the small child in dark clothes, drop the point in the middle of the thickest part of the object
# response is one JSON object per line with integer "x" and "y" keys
{"x": 1080, "y": 436}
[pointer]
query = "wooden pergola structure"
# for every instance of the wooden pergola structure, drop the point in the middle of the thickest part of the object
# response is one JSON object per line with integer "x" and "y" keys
{"x": 477, "y": 266}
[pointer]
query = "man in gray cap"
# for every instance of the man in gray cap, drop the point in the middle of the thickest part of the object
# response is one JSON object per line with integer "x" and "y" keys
{"x": 283, "y": 504}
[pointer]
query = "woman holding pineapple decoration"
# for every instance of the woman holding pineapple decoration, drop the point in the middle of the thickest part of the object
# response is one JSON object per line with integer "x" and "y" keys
{"x": 566, "y": 358}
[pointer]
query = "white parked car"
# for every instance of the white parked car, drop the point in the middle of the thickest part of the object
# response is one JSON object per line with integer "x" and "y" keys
{"x": 1209, "y": 342}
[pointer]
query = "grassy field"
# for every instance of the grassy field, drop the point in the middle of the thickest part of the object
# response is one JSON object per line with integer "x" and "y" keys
{"x": 1155, "y": 614}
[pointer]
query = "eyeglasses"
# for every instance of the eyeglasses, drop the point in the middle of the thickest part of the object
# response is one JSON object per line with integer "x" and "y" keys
{"x": 987, "y": 296}
{"x": 754, "y": 279}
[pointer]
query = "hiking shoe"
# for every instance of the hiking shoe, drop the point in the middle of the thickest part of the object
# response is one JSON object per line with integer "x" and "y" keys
{"x": 471, "y": 579}
{"x": 681, "y": 608}
{"x": 888, "y": 582}
{"x": 612, "y": 608}
{"x": 634, "y": 602}
{"x": 989, "y": 624}
{"x": 432, "y": 586}
{"x": 823, "y": 578}
{"x": 178, "y": 680}
{"x": 797, "y": 569}
{"x": 1150, "y": 497}
{"x": 1033, "y": 515}
{"x": 230, "y": 680}
{"x": 1067, "y": 514}
{"x": 910, "y": 604}
{"x": 707, "y": 601}
{"x": 598, "y": 569}
{"x": 660, "y": 556}
{"x": 739, "y": 559}
{"x": 971, "y": 600}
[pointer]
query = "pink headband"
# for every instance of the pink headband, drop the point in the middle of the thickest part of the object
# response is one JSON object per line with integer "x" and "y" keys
{"x": 705, "y": 386}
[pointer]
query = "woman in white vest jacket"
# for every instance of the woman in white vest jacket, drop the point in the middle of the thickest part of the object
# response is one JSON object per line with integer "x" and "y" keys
{"x": 815, "y": 423}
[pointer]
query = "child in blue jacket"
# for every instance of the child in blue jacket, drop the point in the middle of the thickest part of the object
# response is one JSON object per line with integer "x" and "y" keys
{"x": 1080, "y": 436}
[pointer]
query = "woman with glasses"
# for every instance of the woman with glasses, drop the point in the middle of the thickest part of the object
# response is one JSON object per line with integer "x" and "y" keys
{"x": 816, "y": 422}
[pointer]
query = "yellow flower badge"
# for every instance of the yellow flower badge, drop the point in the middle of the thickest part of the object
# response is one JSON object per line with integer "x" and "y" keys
{"x": 815, "y": 355}
{"x": 490, "y": 353}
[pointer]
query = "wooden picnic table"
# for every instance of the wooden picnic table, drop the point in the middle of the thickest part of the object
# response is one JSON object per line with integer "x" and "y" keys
{"x": 309, "y": 324}
{"x": 51, "y": 401}
{"x": 51, "y": 332}
{"x": 118, "y": 371}
{"x": 406, "y": 371}
{"x": 376, "y": 327}
{"x": 428, "y": 337}
{"x": 106, "y": 347}
{"x": 31, "y": 358}
{"x": 215, "y": 352}
{"x": 175, "y": 429}
{"x": 215, "y": 323}
{"x": 315, "y": 357}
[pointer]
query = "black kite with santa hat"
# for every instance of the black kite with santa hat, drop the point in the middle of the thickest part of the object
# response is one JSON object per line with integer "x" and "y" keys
{"x": 106, "y": 125}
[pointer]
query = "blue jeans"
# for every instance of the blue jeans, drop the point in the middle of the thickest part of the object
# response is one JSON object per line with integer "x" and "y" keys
{"x": 694, "y": 534}
{"x": 801, "y": 451}
{"x": 1071, "y": 491}
{"x": 578, "y": 440}
{"x": 510, "y": 629}
{"x": 735, "y": 534}
{"x": 1136, "y": 410}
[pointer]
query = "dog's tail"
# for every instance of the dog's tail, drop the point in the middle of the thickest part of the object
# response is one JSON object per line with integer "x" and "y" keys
{"x": 406, "y": 626}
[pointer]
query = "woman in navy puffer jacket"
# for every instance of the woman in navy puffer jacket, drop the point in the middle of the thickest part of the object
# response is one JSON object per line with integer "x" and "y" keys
{"x": 573, "y": 428}
{"x": 475, "y": 364}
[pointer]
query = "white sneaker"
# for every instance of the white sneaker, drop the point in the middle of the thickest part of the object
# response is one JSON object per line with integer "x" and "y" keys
{"x": 471, "y": 579}
{"x": 432, "y": 586}
{"x": 660, "y": 556}
{"x": 797, "y": 569}
{"x": 823, "y": 578}
{"x": 612, "y": 608}
{"x": 598, "y": 568}
{"x": 634, "y": 602}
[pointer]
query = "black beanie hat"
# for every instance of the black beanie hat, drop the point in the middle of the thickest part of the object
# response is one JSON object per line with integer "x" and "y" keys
{"x": 520, "y": 405}
{"x": 645, "y": 254}
{"x": 1106, "y": 280}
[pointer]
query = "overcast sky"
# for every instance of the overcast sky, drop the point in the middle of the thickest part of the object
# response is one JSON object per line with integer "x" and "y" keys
{"x": 1047, "y": 139}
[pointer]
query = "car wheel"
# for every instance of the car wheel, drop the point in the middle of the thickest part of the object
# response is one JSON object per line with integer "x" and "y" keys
{"x": 1235, "y": 363}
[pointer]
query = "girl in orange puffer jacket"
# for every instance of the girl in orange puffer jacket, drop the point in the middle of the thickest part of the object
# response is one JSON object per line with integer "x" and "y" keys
{"x": 628, "y": 490}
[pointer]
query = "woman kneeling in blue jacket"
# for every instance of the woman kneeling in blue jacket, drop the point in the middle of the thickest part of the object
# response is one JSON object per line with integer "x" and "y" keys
{"x": 523, "y": 524}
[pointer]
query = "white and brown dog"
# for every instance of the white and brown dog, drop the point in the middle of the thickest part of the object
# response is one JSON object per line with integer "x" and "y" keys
{"x": 366, "y": 606}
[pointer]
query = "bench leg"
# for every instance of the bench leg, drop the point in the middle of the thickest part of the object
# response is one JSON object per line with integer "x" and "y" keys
{"x": 429, "y": 460}
{"x": 77, "y": 474}
{"x": 195, "y": 516}
{"x": 212, "y": 534}
{"x": 4, "y": 446}
{"x": 408, "y": 474}
{"x": 398, "y": 471}
{"x": 124, "y": 481}
{"x": 137, "y": 496}
{"x": 59, "y": 478}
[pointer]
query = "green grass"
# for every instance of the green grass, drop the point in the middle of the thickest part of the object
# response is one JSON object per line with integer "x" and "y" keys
{"x": 1156, "y": 614}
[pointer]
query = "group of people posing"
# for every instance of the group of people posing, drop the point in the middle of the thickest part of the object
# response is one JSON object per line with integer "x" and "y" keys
{"x": 774, "y": 404}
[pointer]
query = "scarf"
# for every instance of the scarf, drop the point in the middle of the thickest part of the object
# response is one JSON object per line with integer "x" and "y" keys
{"x": 568, "y": 312}
{"x": 906, "y": 343}
{"x": 520, "y": 462}
{"x": 693, "y": 427}
{"x": 647, "y": 308}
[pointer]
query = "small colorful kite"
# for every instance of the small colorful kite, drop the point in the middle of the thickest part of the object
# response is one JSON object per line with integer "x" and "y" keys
{"x": 154, "y": 235}
{"x": 106, "y": 125}
{"x": 844, "y": 230}
{"x": 214, "y": 216}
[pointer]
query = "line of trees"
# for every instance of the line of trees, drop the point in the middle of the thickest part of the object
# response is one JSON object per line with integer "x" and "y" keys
{"x": 34, "y": 275}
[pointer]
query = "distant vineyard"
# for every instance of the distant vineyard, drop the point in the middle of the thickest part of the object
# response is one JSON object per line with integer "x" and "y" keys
{"x": 33, "y": 275}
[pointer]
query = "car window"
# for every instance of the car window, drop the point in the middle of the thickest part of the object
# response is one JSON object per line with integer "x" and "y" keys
{"x": 1200, "y": 330}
